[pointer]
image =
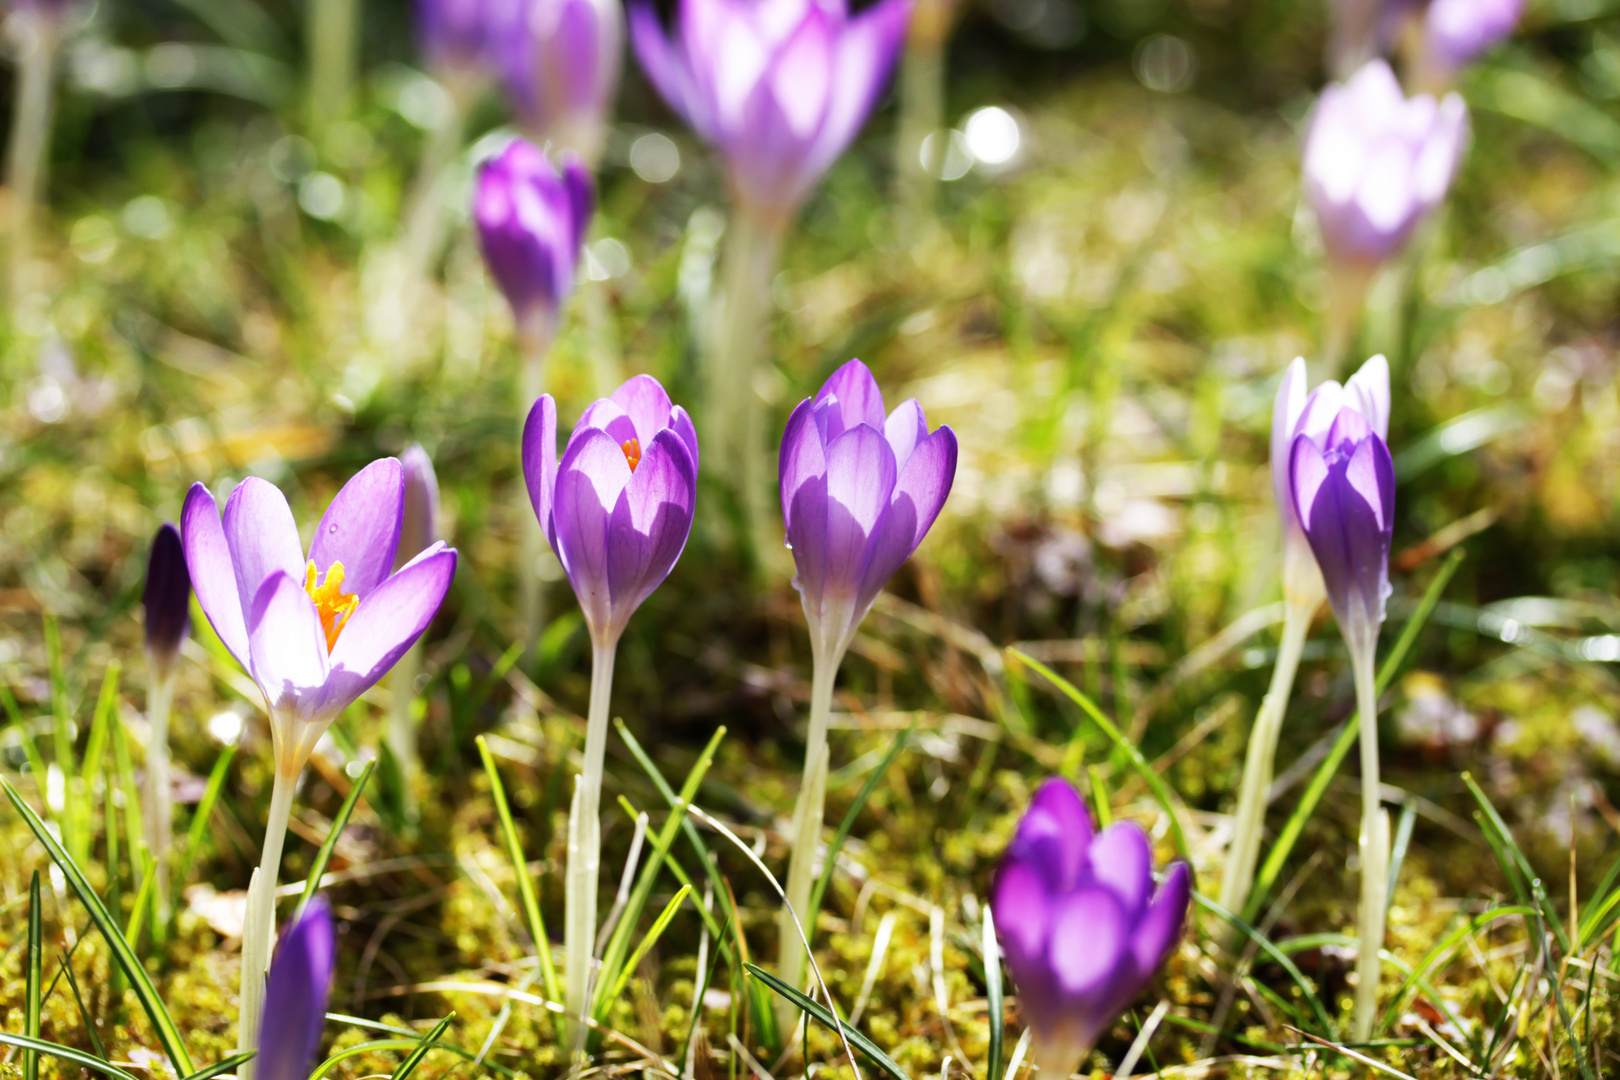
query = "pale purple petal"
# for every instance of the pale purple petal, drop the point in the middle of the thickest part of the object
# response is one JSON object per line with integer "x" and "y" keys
{"x": 1161, "y": 923}
{"x": 591, "y": 477}
{"x": 1122, "y": 862}
{"x": 420, "y": 524}
{"x": 650, "y": 523}
{"x": 905, "y": 428}
{"x": 1054, "y": 835}
{"x": 361, "y": 528}
{"x": 663, "y": 65}
{"x": 540, "y": 460}
{"x": 1308, "y": 471}
{"x": 680, "y": 422}
{"x": 263, "y": 536}
{"x": 295, "y": 995}
{"x": 388, "y": 622}
{"x": 1023, "y": 911}
{"x": 646, "y": 402}
{"x": 1090, "y": 936}
{"x": 1368, "y": 389}
{"x": 605, "y": 414}
{"x": 288, "y": 647}
{"x": 860, "y": 482}
{"x": 213, "y": 575}
{"x": 870, "y": 45}
{"x": 1285, "y": 413}
{"x": 858, "y": 400}
{"x": 803, "y": 471}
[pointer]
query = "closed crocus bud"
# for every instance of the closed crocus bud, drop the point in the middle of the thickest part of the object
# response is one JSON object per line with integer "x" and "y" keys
{"x": 531, "y": 221}
{"x": 295, "y": 998}
{"x": 1457, "y": 31}
{"x": 860, "y": 490}
{"x": 1377, "y": 162}
{"x": 419, "y": 527}
{"x": 560, "y": 62}
{"x": 1080, "y": 924}
{"x": 1295, "y": 413}
{"x": 1344, "y": 497}
{"x": 166, "y": 598}
{"x": 779, "y": 87}
{"x": 617, "y": 509}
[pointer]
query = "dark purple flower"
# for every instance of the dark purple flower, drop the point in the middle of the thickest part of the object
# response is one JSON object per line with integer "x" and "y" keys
{"x": 455, "y": 34}
{"x": 559, "y": 62}
{"x": 780, "y": 87}
{"x": 531, "y": 222}
{"x": 1377, "y": 162}
{"x": 1457, "y": 31}
{"x": 617, "y": 509}
{"x": 295, "y": 997}
{"x": 315, "y": 632}
{"x": 1079, "y": 922}
{"x": 860, "y": 490}
{"x": 167, "y": 597}
{"x": 419, "y": 526}
{"x": 1344, "y": 495}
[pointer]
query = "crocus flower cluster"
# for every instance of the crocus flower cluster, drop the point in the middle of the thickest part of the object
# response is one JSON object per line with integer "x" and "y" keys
{"x": 295, "y": 998}
{"x": 559, "y": 63}
{"x": 1376, "y": 163}
{"x": 860, "y": 490}
{"x": 531, "y": 222}
{"x": 315, "y": 632}
{"x": 779, "y": 87}
{"x": 1080, "y": 923}
{"x": 617, "y": 508}
{"x": 166, "y": 598}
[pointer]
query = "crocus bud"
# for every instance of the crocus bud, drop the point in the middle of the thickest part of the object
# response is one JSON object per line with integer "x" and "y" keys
{"x": 295, "y": 997}
{"x": 419, "y": 526}
{"x": 1457, "y": 31}
{"x": 1344, "y": 496}
{"x": 454, "y": 35}
{"x": 559, "y": 63}
{"x": 1294, "y": 414}
{"x": 1376, "y": 162}
{"x": 779, "y": 88}
{"x": 860, "y": 490}
{"x": 1080, "y": 924}
{"x": 531, "y": 221}
{"x": 617, "y": 509}
{"x": 166, "y": 598}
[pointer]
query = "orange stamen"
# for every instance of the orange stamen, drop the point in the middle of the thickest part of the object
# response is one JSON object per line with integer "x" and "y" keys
{"x": 632, "y": 453}
{"x": 332, "y": 604}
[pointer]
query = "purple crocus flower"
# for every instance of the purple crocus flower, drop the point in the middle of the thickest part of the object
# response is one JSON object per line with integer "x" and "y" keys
{"x": 315, "y": 632}
{"x": 860, "y": 490}
{"x": 1377, "y": 162}
{"x": 617, "y": 509}
{"x": 531, "y": 222}
{"x": 559, "y": 62}
{"x": 780, "y": 87}
{"x": 419, "y": 526}
{"x": 166, "y": 598}
{"x": 1457, "y": 31}
{"x": 1294, "y": 414}
{"x": 1344, "y": 497}
{"x": 295, "y": 999}
{"x": 454, "y": 34}
{"x": 1080, "y": 924}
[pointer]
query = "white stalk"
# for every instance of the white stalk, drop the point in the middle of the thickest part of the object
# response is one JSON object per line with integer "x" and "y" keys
{"x": 805, "y": 838}
{"x": 261, "y": 917}
{"x": 1238, "y": 875}
{"x": 402, "y": 725}
{"x": 1374, "y": 848}
{"x": 30, "y": 138}
{"x": 585, "y": 845}
{"x": 535, "y": 334}
{"x": 157, "y": 810}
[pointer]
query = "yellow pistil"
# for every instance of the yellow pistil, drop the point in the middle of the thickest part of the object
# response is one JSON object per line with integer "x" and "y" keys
{"x": 332, "y": 604}
{"x": 632, "y": 453}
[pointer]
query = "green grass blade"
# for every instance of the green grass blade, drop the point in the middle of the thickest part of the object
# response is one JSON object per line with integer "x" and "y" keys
{"x": 84, "y": 1014}
{"x": 1155, "y": 782}
{"x": 66, "y": 1053}
{"x": 100, "y": 726}
{"x": 1397, "y": 1003}
{"x": 61, "y": 731}
{"x": 35, "y": 977}
{"x": 414, "y": 1058}
{"x": 230, "y": 1064}
{"x": 866, "y": 1046}
{"x": 1276, "y": 954}
{"x": 1511, "y": 851}
{"x": 1403, "y": 841}
{"x": 1602, "y": 900}
{"x": 204, "y": 811}
{"x": 993, "y": 995}
{"x": 647, "y": 942}
{"x": 317, "y": 869}
{"x": 364, "y": 1048}
{"x": 375, "y": 1025}
{"x": 520, "y": 870}
{"x": 848, "y": 823}
{"x": 141, "y": 908}
{"x": 162, "y": 1022}
{"x": 1271, "y": 869}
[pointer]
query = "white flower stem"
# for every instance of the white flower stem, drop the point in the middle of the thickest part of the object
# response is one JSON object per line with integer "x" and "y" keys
{"x": 261, "y": 917}
{"x": 1374, "y": 849}
{"x": 402, "y": 725}
{"x": 30, "y": 138}
{"x": 585, "y": 846}
{"x": 535, "y": 335}
{"x": 1238, "y": 875}
{"x": 157, "y": 809}
{"x": 333, "y": 29}
{"x": 806, "y": 837}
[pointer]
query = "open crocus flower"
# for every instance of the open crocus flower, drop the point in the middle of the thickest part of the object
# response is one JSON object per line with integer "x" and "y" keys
{"x": 1457, "y": 31}
{"x": 1080, "y": 924}
{"x": 617, "y": 509}
{"x": 780, "y": 87}
{"x": 559, "y": 63}
{"x": 1377, "y": 162}
{"x": 1344, "y": 499}
{"x": 860, "y": 490}
{"x": 314, "y": 631}
{"x": 295, "y": 998}
{"x": 1294, "y": 414}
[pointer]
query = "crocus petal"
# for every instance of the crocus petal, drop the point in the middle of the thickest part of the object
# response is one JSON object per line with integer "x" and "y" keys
{"x": 288, "y": 649}
{"x": 295, "y": 995}
{"x": 860, "y": 482}
{"x": 167, "y": 595}
{"x": 420, "y": 524}
{"x": 662, "y": 64}
{"x": 650, "y": 523}
{"x": 905, "y": 428}
{"x": 213, "y": 574}
{"x": 1121, "y": 861}
{"x": 1368, "y": 389}
{"x": 361, "y": 527}
{"x": 1023, "y": 910}
{"x": 1160, "y": 924}
{"x": 1285, "y": 412}
{"x": 859, "y": 401}
{"x": 680, "y": 422}
{"x": 263, "y": 536}
{"x": 591, "y": 477}
{"x": 388, "y": 622}
{"x": 803, "y": 470}
{"x": 646, "y": 402}
{"x": 1054, "y": 835}
{"x": 581, "y": 192}
{"x": 1090, "y": 936}
{"x": 867, "y": 51}
{"x": 540, "y": 460}
{"x": 1308, "y": 470}
{"x": 605, "y": 414}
